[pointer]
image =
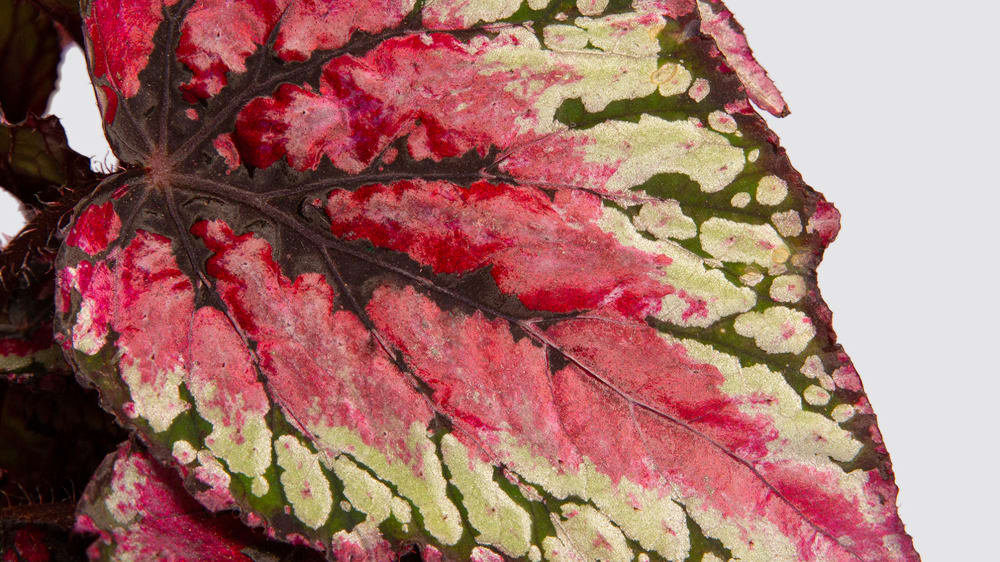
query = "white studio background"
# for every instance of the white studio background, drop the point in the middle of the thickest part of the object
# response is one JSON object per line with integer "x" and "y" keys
{"x": 894, "y": 120}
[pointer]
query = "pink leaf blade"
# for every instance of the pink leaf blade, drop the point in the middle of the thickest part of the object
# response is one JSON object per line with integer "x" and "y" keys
{"x": 718, "y": 22}
{"x": 496, "y": 289}
{"x": 139, "y": 509}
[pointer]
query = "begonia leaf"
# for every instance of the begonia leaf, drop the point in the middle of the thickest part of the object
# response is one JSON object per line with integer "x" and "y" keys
{"x": 39, "y": 168}
{"x": 27, "y": 348}
{"x": 503, "y": 280}
{"x": 30, "y": 49}
{"x": 139, "y": 510}
{"x": 66, "y": 13}
{"x": 53, "y": 434}
{"x": 27, "y": 288}
{"x": 37, "y": 164}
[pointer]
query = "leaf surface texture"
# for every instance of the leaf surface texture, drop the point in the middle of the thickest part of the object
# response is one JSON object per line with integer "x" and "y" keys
{"x": 504, "y": 280}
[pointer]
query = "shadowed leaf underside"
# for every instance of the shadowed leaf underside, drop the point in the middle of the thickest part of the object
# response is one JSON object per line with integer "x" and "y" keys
{"x": 30, "y": 49}
{"x": 500, "y": 280}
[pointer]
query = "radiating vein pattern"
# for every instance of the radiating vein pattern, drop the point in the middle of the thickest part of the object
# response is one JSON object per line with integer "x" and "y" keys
{"x": 503, "y": 280}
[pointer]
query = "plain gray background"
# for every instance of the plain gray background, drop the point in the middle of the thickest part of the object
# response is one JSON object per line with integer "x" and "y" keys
{"x": 894, "y": 118}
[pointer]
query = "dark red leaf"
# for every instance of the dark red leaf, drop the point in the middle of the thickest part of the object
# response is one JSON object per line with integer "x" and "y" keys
{"x": 30, "y": 49}
{"x": 37, "y": 164}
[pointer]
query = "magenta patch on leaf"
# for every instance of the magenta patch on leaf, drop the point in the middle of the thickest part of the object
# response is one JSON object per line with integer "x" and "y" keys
{"x": 846, "y": 377}
{"x": 264, "y": 134}
{"x": 305, "y": 343}
{"x": 94, "y": 284}
{"x": 95, "y": 228}
{"x": 311, "y": 25}
{"x": 728, "y": 36}
{"x": 548, "y": 253}
{"x": 480, "y": 554}
{"x": 637, "y": 361}
{"x": 479, "y": 374}
{"x": 107, "y": 99}
{"x": 677, "y": 8}
{"x": 214, "y": 481}
{"x": 825, "y": 222}
{"x": 38, "y": 340}
{"x": 224, "y": 146}
{"x": 361, "y": 107}
{"x": 361, "y": 545}
{"x": 430, "y": 554}
{"x": 146, "y": 514}
{"x": 813, "y": 492}
{"x": 219, "y": 35}
{"x": 121, "y": 39}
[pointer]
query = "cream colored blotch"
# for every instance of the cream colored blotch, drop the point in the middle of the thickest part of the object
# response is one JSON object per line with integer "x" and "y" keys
{"x": 771, "y": 190}
{"x": 246, "y": 448}
{"x": 122, "y": 501}
{"x": 788, "y": 288}
{"x": 591, "y": 7}
{"x": 422, "y": 483}
{"x": 687, "y": 272}
{"x": 842, "y": 413}
{"x": 722, "y": 122}
{"x": 671, "y": 79}
{"x": 815, "y": 395}
{"x": 158, "y": 401}
{"x": 699, "y": 89}
{"x": 367, "y": 494}
{"x": 305, "y": 485}
{"x": 665, "y": 219}
{"x": 561, "y": 37}
{"x": 655, "y": 145}
{"x": 625, "y": 34}
{"x": 470, "y": 13}
{"x": 778, "y": 329}
{"x": 593, "y": 535}
{"x": 788, "y": 223}
{"x": 740, "y": 200}
{"x": 500, "y": 522}
{"x": 183, "y": 451}
{"x": 733, "y": 241}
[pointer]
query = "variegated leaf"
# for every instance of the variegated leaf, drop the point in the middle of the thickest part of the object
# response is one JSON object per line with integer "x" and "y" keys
{"x": 139, "y": 511}
{"x": 48, "y": 178}
{"x": 27, "y": 287}
{"x": 506, "y": 280}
